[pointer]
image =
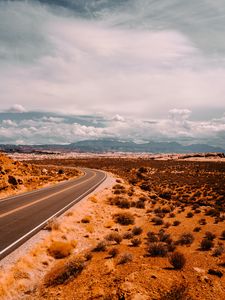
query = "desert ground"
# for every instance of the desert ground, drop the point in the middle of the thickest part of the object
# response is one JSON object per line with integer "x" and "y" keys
{"x": 155, "y": 230}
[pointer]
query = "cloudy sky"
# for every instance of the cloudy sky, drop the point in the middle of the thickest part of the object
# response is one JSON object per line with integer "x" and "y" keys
{"x": 129, "y": 69}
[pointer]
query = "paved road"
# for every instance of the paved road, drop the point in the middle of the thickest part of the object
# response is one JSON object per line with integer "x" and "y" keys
{"x": 23, "y": 215}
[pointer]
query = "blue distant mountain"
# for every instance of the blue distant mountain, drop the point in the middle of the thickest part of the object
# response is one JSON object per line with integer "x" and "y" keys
{"x": 106, "y": 145}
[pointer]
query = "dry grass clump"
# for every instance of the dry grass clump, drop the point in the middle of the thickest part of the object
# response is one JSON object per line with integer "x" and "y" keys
{"x": 86, "y": 219}
{"x": 157, "y": 249}
{"x": 136, "y": 230}
{"x": 124, "y": 218}
{"x": 219, "y": 250}
{"x": 59, "y": 249}
{"x": 114, "y": 237}
{"x": 206, "y": 244}
{"x": 209, "y": 235}
{"x": 135, "y": 242}
{"x": 197, "y": 229}
{"x": 100, "y": 247}
{"x": 128, "y": 235}
{"x": 113, "y": 252}
{"x": 125, "y": 258}
{"x": 64, "y": 271}
{"x": 152, "y": 237}
{"x": 157, "y": 221}
{"x": 177, "y": 260}
{"x": 177, "y": 292}
{"x": 186, "y": 239}
{"x": 52, "y": 224}
{"x": 223, "y": 234}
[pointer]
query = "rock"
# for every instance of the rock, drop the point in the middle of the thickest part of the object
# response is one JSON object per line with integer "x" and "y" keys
{"x": 139, "y": 296}
{"x": 199, "y": 270}
{"x": 12, "y": 180}
{"x": 215, "y": 272}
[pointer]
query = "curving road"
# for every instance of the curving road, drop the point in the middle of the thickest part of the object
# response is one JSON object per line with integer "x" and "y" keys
{"x": 23, "y": 215}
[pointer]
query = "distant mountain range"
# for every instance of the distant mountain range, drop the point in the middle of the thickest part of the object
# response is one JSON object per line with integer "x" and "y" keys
{"x": 106, "y": 145}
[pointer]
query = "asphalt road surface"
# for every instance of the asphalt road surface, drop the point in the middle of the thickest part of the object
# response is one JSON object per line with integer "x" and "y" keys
{"x": 24, "y": 215}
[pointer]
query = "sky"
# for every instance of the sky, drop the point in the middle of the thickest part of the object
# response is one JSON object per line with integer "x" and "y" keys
{"x": 136, "y": 70}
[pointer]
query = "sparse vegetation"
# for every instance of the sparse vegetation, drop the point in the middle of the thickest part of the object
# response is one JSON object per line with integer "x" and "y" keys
{"x": 59, "y": 249}
{"x": 206, "y": 244}
{"x": 125, "y": 218}
{"x": 177, "y": 260}
{"x": 124, "y": 258}
{"x": 157, "y": 249}
{"x": 186, "y": 239}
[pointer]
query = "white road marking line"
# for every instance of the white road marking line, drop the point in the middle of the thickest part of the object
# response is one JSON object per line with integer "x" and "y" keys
{"x": 57, "y": 213}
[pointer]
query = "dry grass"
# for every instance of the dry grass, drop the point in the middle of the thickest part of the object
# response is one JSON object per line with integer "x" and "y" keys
{"x": 59, "y": 249}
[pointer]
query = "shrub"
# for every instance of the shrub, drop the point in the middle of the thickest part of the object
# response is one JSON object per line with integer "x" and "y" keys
{"x": 125, "y": 258}
{"x": 113, "y": 252}
{"x": 223, "y": 234}
{"x": 157, "y": 249}
{"x": 137, "y": 230}
{"x": 125, "y": 218}
{"x": 177, "y": 260}
{"x": 218, "y": 251}
{"x": 114, "y": 237}
{"x": 157, "y": 221}
{"x": 60, "y": 249}
{"x": 152, "y": 238}
{"x": 128, "y": 235}
{"x": 210, "y": 236}
{"x": 86, "y": 219}
{"x": 206, "y": 244}
{"x": 136, "y": 242}
{"x": 52, "y": 224}
{"x": 177, "y": 292}
{"x": 88, "y": 256}
{"x": 189, "y": 215}
{"x": 124, "y": 203}
{"x": 63, "y": 272}
{"x": 167, "y": 224}
{"x": 197, "y": 229}
{"x": 100, "y": 247}
{"x": 202, "y": 221}
{"x": 186, "y": 239}
{"x": 176, "y": 223}
{"x": 165, "y": 195}
{"x": 140, "y": 204}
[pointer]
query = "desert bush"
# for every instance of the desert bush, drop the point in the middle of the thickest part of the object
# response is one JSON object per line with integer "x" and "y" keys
{"x": 176, "y": 223}
{"x": 140, "y": 204}
{"x": 62, "y": 272}
{"x": 136, "y": 230}
{"x": 100, "y": 247}
{"x": 157, "y": 249}
{"x": 212, "y": 212}
{"x": 136, "y": 242}
{"x": 166, "y": 195}
{"x": 172, "y": 215}
{"x": 197, "y": 229}
{"x": 157, "y": 220}
{"x": 223, "y": 234}
{"x": 189, "y": 214}
{"x": 125, "y": 218}
{"x": 52, "y": 224}
{"x": 186, "y": 239}
{"x": 60, "y": 249}
{"x": 177, "y": 260}
{"x": 125, "y": 258}
{"x": 113, "y": 252}
{"x": 86, "y": 219}
{"x": 177, "y": 292}
{"x": 114, "y": 237}
{"x": 202, "y": 221}
{"x": 206, "y": 244}
{"x": 124, "y": 203}
{"x": 128, "y": 235}
{"x": 219, "y": 250}
{"x": 88, "y": 256}
{"x": 165, "y": 238}
{"x": 151, "y": 236}
{"x": 210, "y": 236}
{"x": 167, "y": 224}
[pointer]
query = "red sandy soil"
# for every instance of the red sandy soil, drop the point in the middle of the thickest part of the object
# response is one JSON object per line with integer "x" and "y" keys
{"x": 167, "y": 190}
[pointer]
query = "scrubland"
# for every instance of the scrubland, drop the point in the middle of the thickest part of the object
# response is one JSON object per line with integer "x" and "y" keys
{"x": 157, "y": 233}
